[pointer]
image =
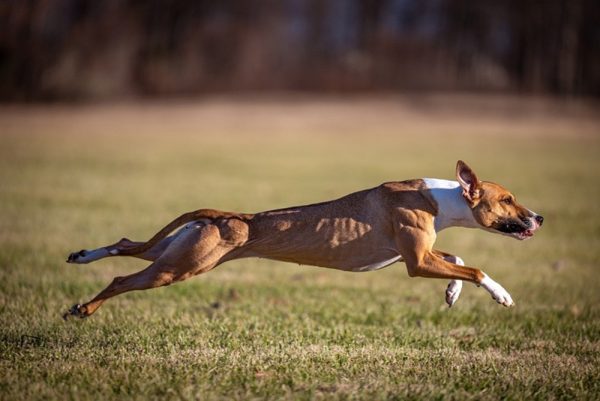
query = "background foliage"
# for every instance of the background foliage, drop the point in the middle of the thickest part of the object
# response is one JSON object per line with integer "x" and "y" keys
{"x": 85, "y": 49}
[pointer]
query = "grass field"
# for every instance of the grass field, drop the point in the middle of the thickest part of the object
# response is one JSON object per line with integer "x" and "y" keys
{"x": 75, "y": 177}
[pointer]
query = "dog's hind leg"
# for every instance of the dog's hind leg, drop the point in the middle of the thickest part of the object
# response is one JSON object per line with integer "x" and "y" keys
{"x": 155, "y": 275}
{"x": 86, "y": 256}
{"x": 197, "y": 250}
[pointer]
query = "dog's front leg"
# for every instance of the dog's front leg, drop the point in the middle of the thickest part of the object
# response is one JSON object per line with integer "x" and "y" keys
{"x": 454, "y": 286}
{"x": 424, "y": 262}
{"x": 498, "y": 292}
{"x": 434, "y": 266}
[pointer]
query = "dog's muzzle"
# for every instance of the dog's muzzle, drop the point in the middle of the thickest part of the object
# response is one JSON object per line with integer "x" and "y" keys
{"x": 521, "y": 229}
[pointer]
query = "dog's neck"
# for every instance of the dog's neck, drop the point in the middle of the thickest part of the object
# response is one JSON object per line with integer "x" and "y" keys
{"x": 453, "y": 210}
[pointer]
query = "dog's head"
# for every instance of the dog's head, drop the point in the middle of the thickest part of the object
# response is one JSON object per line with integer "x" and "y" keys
{"x": 494, "y": 208}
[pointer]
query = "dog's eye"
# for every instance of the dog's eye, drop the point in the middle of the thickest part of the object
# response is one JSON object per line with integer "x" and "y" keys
{"x": 508, "y": 201}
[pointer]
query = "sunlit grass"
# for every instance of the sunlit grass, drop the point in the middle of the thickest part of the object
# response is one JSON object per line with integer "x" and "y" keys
{"x": 74, "y": 178}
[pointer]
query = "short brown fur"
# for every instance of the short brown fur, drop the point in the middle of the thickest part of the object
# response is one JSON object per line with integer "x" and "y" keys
{"x": 350, "y": 233}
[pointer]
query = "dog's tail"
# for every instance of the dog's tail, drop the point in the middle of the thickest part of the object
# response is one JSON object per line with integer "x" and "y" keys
{"x": 208, "y": 214}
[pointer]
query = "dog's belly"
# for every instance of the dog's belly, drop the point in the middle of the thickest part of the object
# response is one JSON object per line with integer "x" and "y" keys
{"x": 343, "y": 258}
{"x": 378, "y": 265}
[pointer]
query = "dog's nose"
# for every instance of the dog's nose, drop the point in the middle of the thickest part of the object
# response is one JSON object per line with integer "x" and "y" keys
{"x": 539, "y": 219}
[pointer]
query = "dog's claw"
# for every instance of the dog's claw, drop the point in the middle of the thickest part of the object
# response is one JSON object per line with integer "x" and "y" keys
{"x": 74, "y": 256}
{"x": 76, "y": 310}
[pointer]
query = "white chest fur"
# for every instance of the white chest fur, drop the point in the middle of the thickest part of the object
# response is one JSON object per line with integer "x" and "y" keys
{"x": 453, "y": 210}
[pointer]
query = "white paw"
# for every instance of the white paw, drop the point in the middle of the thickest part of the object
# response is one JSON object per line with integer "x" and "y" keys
{"x": 78, "y": 257}
{"x": 85, "y": 256}
{"x": 498, "y": 292}
{"x": 453, "y": 292}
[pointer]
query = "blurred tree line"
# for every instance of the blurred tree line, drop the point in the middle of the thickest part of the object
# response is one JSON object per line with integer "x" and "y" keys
{"x": 74, "y": 49}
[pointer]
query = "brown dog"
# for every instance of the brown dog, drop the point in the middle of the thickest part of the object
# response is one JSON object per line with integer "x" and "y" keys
{"x": 363, "y": 231}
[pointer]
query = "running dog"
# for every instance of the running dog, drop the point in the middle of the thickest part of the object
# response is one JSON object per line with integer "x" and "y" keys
{"x": 364, "y": 231}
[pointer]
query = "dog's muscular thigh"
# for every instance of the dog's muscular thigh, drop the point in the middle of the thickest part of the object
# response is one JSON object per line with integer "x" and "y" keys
{"x": 234, "y": 232}
{"x": 201, "y": 245}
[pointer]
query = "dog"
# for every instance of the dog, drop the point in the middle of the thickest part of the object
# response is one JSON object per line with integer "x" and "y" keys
{"x": 363, "y": 231}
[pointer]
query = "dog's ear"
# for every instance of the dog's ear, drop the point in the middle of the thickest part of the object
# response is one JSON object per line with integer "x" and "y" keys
{"x": 468, "y": 181}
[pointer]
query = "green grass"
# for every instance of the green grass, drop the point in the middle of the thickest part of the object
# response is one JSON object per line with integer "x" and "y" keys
{"x": 81, "y": 177}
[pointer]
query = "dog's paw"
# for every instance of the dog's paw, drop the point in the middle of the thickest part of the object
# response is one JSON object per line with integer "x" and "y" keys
{"x": 498, "y": 293}
{"x": 453, "y": 292}
{"x": 85, "y": 256}
{"x": 503, "y": 298}
{"x": 76, "y": 310}
{"x": 78, "y": 257}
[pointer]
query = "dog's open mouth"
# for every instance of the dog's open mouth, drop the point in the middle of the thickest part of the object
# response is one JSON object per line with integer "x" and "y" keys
{"x": 528, "y": 232}
{"x": 516, "y": 229}
{"x": 524, "y": 234}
